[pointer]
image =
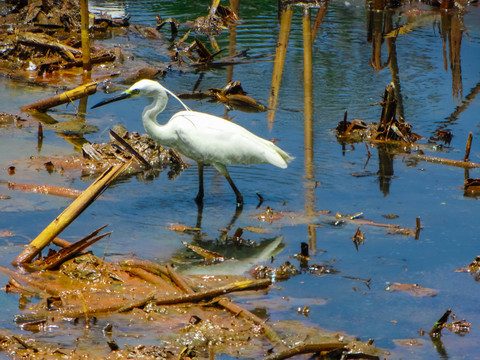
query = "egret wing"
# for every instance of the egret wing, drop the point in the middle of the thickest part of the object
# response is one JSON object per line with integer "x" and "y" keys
{"x": 212, "y": 140}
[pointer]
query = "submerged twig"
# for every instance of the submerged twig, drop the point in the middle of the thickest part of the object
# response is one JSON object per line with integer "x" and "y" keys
{"x": 151, "y": 278}
{"x": 443, "y": 161}
{"x": 208, "y": 294}
{"x": 146, "y": 265}
{"x": 307, "y": 349}
{"x": 179, "y": 280}
{"x": 45, "y": 189}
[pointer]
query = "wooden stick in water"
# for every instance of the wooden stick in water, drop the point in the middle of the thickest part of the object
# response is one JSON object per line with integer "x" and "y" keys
{"x": 468, "y": 147}
{"x": 443, "y": 161}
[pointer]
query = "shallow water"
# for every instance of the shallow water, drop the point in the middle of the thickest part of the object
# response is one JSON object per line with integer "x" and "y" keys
{"x": 139, "y": 212}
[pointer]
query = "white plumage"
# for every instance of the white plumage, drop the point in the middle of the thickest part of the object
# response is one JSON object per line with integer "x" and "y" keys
{"x": 207, "y": 139}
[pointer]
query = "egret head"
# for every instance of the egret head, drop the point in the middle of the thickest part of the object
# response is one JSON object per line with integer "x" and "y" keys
{"x": 143, "y": 88}
{"x": 147, "y": 88}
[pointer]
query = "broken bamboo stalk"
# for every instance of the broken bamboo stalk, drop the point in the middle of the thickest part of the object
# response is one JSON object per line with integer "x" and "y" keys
{"x": 145, "y": 265}
{"x": 86, "y": 58}
{"x": 63, "y": 98}
{"x": 53, "y": 261}
{"x": 418, "y": 228}
{"x": 307, "y": 349}
{"x": 468, "y": 146}
{"x": 208, "y": 294}
{"x": 389, "y": 107}
{"x": 69, "y": 214}
{"x": 61, "y": 242}
{"x": 14, "y": 286}
{"x": 443, "y": 161}
{"x": 179, "y": 280}
{"x": 151, "y": 278}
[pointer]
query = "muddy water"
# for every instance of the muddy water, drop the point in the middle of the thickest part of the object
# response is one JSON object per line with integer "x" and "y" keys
{"x": 343, "y": 179}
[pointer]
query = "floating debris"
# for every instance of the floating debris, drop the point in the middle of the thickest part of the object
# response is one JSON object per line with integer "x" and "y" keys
{"x": 232, "y": 96}
{"x": 219, "y": 17}
{"x": 210, "y": 257}
{"x": 320, "y": 270}
{"x": 45, "y": 189}
{"x": 473, "y": 268}
{"x": 388, "y": 130}
{"x": 413, "y": 289}
{"x": 283, "y": 272}
{"x": 358, "y": 238}
{"x": 184, "y": 229}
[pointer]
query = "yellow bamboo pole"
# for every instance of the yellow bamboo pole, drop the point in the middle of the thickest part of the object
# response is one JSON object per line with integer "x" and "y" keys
{"x": 87, "y": 62}
{"x": 308, "y": 88}
{"x": 308, "y": 109}
{"x": 69, "y": 215}
{"x": 308, "y": 38}
{"x": 63, "y": 98}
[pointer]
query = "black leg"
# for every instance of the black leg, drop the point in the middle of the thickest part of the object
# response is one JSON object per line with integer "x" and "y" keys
{"x": 198, "y": 234}
{"x": 199, "y": 198}
{"x": 235, "y": 190}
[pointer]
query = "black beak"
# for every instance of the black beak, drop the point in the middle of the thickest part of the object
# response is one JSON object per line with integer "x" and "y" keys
{"x": 123, "y": 95}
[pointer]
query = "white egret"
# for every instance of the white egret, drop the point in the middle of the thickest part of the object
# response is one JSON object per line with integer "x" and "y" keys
{"x": 207, "y": 139}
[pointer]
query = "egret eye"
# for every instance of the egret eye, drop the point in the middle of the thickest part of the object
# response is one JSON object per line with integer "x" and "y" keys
{"x": 135, "y": 92}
